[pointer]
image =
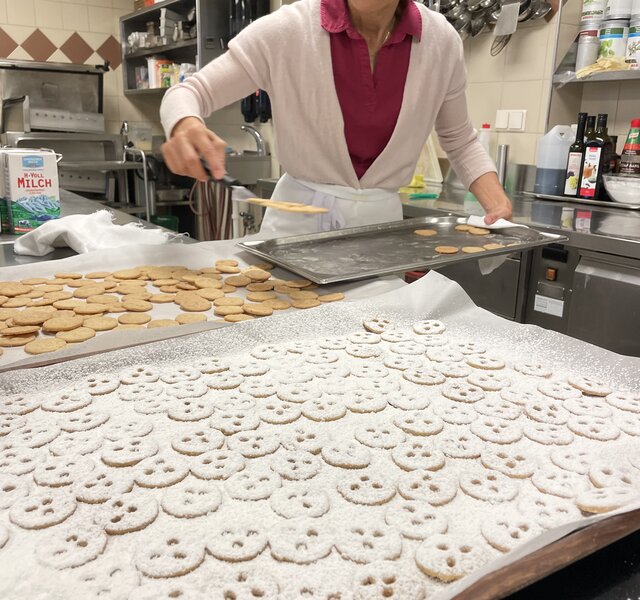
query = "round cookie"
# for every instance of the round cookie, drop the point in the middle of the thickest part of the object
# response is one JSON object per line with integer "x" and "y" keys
{"x": 446, "y": 558}
{"x": 300, "y": 501}
{"x": 237, "y": 541}
{"x": 172, "y": 553}
{"x": 100, "y": 323}
{"x": 426, "y": 232}
{"x": 364, "y": 541}
{"x": 366, "y": 487}
{"x": 74, "y": 544}
{"x": 301, "y": 540}
{"x": 75, "y": 336}
{"x": 44, "y": 345}
{"x": 447, "y": 249}
{"x": 425, "y": 486}
{"x": 191, "y": 499}
{"x": 127, "y": 513}
{"x": 42, "y": 509}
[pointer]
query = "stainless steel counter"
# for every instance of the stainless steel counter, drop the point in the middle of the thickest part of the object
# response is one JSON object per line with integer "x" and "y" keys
{"x": 70, "y": 204}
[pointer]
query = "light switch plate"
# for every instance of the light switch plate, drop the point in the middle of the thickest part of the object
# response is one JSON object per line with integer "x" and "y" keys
{"x": 517, "y": 120}
{"x": 502, "y": 119}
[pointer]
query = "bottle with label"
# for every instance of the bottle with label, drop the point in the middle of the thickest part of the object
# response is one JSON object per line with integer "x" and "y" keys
{"x": 597, "y": 157}
{"x": 630, "y": 159}
{"x": 590, "y": 130}
{"x": 574, "y": 162}
{"x": 615, "y": 157}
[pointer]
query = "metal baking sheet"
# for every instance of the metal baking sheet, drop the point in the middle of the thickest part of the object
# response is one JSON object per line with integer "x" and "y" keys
{"x": 374, "y": 250}
{"x": 565, "y": 199}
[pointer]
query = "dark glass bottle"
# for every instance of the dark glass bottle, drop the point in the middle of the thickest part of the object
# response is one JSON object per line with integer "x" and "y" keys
{"x": 574, "y": 160}
{"x": 596, "y": 162}
{"x": 590, "y": 131}
{"x": 615, "y": 157}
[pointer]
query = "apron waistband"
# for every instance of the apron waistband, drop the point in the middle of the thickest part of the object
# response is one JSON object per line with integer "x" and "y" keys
{"x": 347, "y": 193}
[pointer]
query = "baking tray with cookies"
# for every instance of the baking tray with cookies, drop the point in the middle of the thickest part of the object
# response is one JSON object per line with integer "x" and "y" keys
{"x": 375, "y": 250}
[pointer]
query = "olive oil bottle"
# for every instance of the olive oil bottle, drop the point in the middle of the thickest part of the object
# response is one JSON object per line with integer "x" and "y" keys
{"x": 596, "y": 162}
{"x": 574, "y": 161}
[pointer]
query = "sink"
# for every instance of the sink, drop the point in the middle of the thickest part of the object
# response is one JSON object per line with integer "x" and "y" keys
{"x": 247, "y": 168}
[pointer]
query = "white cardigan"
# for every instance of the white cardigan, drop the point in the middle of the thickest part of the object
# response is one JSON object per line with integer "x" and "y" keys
{"x": 288, "y": 54}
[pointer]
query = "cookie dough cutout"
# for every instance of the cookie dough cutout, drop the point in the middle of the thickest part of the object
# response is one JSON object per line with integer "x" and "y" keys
{"x": 444, "y": 557}
{"x": 15, "y": 341}
{"x": 127, "y": 513}
{"x": 73, "y": 545}
{"x": 415, "y": 520}
{"x": 447, "y": 249}
{"x": 366, "y": 487}
{"x": 162, "y": 323}
{"x": 237, "y": 542}
{"x": 596, "y": 501}
{"x": 301, "y": 541}
{"x": 472, "y": 249}
{"x": 100, "y": 323}
{"x": 75, "y": 336}
{"x": 426, "y": 232}
{"x": 19, "y": 329}
{"x": 44, "y": 345}
{"x": 385, "y": 580}
{"x": 506, "y": 532}
{"x": 493, "y": 246}
{"x": 258, "y": 309}
{"x": 462, "y": 227}
{"x": 365, "y": 541}
{"x": 303, "y": 500}
{"x": 478, "y": 231}
{"x": 172, "y": 555}
{"x": 335, "y": 297}
{"x": 191, "y": 499}
{"x": 188, "y": 318}
{"x": 42, "y": 509}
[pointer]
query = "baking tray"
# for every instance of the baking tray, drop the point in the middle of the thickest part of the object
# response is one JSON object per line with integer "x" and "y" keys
{"x": 566, "y": 199}
{"x": 374, "y": 250}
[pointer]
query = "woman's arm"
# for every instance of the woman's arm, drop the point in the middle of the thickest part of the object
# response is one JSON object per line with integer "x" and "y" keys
{"x": 490, "y": 193}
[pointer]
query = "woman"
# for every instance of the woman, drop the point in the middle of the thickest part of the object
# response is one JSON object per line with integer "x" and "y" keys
{"x": 356, "y": 87}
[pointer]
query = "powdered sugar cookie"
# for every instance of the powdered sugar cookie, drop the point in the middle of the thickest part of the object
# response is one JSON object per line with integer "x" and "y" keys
{"x": 498, "y": 431}
{"x": 127, "y": 513}
{"x": 379, "y": 436}
{"x": 519, "y": 396}
{"x": 417, "y": 455}
{"x": 19, "y": 404}
{"x": 569, "y": 459}
{"x": 42, "y": 509}
{"x": 101, "y": 484}
{"x": 587, "y": 406}
{"x": 161, "y": 470}
{"x": 190, "y": 499}
{"x": 409, "y": 400}
{"x": 223, "y": 381}
{"x": 376, "y": 324}
{"x": 180, "y": 373}
{"x": 533, "y": 369}
{"x": 245, "y": 585}
{"x": 293, "y": 376}
{"x": 165, "y": 589}
{"x": 151, "y": 405}
{"x": 496, "y": 407}
{"x": 467, "y": 348}
{"x": 306, "y": 439}
{"x": 331, "y": 371}
{"x": 456, "y": 414}
{"x": 364, "y": 337}
{"x": 19, "y": 460}
{"x": 512, "y": 464}
{"x": 258, "y": 388}
{"x": 297, "y": 346}
{"x": 75, "y": 543}
{"x": 197, "y": 441}
{"x": 590, "y": 385}
{"x": 233, "y": 421}
{"x": 346, "y": 454}
{"x": 460, "y": 444}
{"x": 603, "y": 474}
{"x": 490, "y": 363}
{"x": 424, "y": 376}
{"x": 310, "y": 589}
{"x": 333, "y": 343}
{"x": 326, "y": 408}
{"x": 364, "y": 350}
{"x": 250, "y": 368}
{"x": 67, "y": 401}
{"x": 301, "y": 540}
{"x": 36, "y": 434}
{"x": 12, "y": 487}
{"x": 140, "y": 391}
{"x": 414, "y": 520}
{"x": 402, "y": 362}
{"x": 418, "y": 422}
{"x": 9, "y": 423}
{"x": 339, "y": 387}
{"x": 217, "y": 464}
{"x": 548, "y": 434}
{"x": 558, "y": 390}
{"x": 126, "y": 429}
{"x": 4, "y": 536}
{"x": 381, "y": 580}
{"x": 548, "y": 511}
{"x": 369, "y": 371}
{"x": 83, "y": 420}
{"x": 551, "y": 480}
{"x": 380, "y": 385}
{"x": 253, "y": 444}
{"x": 99, "y": 385}
{"x": 139, "y": 374}
{"x": 432, "y": 341}
{"x": 304, "y": 500}
{"x": 364, "y": 541}
{"x": 171, "y": 554}
{"x": 453, "y": 369}
{"x": 127, "y": 452}
{"x": 461, "y": 391}
{"x": 299, "y": 392}
{"x": 429, "y": 327}
{"x": 187, "y": 389}
{"x": 364, "y": 401}
{"x": 237, "y": 541}
{"x": 490, "y": 382}
{"x": 489, "y": 486}
{"x": 62, "y": 470}
{"x": 434, "y": 488}
{"x": 506, "y": 532}
{"x": 253, "y": 483}
{"x": 444, "y": 354}
{"x": 629, "y": 423}
{"x": 408, "y": 348}
{"x": 625, "y": 400}
{"x": 296, "y": 465}
{"x": 393, "y": 336}
{"x": 447, "y": 558}
{"x": 607, "y": 499}
{"x": 107, "y": 578}
{"x": 189, "y": 409}
{"x": 211, "y": 364}
{"x": 366, "y": 487}
{"x": 594, "y": 428}
{"x": 279, "y": 413}
{"x": 268, "y": 352}
{"x": 547, "y": 411}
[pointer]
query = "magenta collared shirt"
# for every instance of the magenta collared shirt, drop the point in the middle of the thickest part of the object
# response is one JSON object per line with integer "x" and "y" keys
{"x": 370, "y": 102}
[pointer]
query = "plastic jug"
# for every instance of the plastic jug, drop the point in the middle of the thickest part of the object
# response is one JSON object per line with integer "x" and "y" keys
{"x": 551, "y": 163}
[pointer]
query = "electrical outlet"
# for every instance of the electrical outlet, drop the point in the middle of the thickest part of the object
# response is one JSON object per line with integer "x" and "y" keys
{"x": 502, "y": 119}
{"x": 517, "y": 120}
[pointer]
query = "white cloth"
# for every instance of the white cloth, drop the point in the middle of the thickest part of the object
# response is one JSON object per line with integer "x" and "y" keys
{"x": 348, "y": 207}
{"x": 478, "y": 221}
{"x": 85, "y": 233}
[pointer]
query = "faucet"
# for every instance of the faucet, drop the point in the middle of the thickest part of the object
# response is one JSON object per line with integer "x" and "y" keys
{"x": 260, "y": 147}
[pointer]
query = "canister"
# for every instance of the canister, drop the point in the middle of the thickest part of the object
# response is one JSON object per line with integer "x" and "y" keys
{"x": 592, "y": 9}
{"x": 618, "y": 9}
{"x": 632, "y": 56}
{"x": 613, "y": 38}
{"x": 588, "y": 44}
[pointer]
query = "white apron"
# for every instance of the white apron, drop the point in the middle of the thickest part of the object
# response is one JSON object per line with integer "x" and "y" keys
{"x": 347, "y": 206}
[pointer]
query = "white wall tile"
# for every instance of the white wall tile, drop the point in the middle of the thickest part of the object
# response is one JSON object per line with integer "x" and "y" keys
{"x": 571, "y": 12}
{"x": 483, "y": 99}
{"x": 48, "y": 14}
{"x": 101, "y": 20}
{"x": 601, "y": 98}
{"x": 57, "y": 36}
{"x": 522, "y": 147}
{"x": 18, "y": 33}
{"x": 59, "y": 57}
{"x": 75, "y": 17}
{"x": 526, "y": 54}
{"x": 482, "y": 67}
{"x": 524, "y": 95}
{"x": 21, "y": 12}
{"x": 3, "y": 11}
{"x": 628, "y": 105}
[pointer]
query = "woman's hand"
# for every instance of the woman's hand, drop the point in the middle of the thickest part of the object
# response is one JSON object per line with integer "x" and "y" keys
{"x": 490, "y": 193}
{"x": 190, "y": 141}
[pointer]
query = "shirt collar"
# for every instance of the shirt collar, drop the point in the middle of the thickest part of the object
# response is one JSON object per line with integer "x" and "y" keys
{"x": 334, "y": 18}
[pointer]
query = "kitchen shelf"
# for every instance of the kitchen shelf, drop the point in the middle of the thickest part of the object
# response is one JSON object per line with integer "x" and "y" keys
{"x": 162, "y": 49}
{"x": 145, "y": 14}
{"x": 606, "y": 76}
{"x": 153, "y": 92}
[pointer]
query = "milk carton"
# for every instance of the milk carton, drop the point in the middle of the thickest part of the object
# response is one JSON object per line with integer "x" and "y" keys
{"x": 31, "y": 192}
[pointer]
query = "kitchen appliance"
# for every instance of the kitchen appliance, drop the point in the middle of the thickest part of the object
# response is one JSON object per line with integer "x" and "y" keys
{"x": 60, "y": 106}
